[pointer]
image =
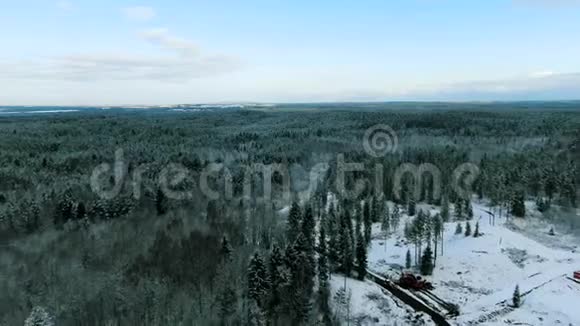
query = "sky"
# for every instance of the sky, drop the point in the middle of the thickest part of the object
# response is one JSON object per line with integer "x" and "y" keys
{"x": 115, "y": 52}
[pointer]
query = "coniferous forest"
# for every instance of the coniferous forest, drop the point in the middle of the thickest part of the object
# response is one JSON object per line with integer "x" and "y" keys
{"x": 160, "y": 217}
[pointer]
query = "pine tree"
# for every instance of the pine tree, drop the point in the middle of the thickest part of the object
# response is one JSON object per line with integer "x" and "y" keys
{"x": 467, "y": 229}
{"x": 427, "y": 262}
{"x": 516, "y": 299}
{"x": 361, "y": 258}
{"x": 408, "y": 259}
{"x": 476, "y": 233}
{"x": 258, "y": 284}
{"x": 458, "y": 228}
{"x": 293, "y": 228}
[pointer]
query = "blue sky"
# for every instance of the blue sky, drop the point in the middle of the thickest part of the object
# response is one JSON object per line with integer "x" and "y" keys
{"x": 80, "y": 52}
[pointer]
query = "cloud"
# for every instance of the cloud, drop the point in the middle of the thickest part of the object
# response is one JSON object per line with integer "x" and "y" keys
{"x": 552, "y": 86}
{"x": 161, "y": 37}
{"x": 183, "y": 61}
{"x": 544, "y": 85}
{"x": 64, "y": 5}
{"x": 139, "y": 13}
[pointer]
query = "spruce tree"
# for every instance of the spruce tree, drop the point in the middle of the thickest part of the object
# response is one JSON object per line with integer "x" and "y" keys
{"x": 323, "y": 271}
{"x": 368, "y": 223}
{"x": 458, "y": 228}
{"x": 476, "y": 232}
{"x": 437, "y": 234}
{"x": 358, "y": 218}
{"x": 467, "y": 229}
{"x": 227, "y": 302}
{"x": 345, "y": 244}
{"x": 395, "y": 217}
{"x": 427, "y": 262}
{"x": 458, "y": 210}
{"x": 386, "y": 225}
{"x": 293, "y": 227}
{"x": 445, "y": 209}
{"x": 518, "y": 206}
{"x": 323, "y": 297}
{"x": 516, "y": 299}
{"x": 39, "y": 316}
{"x": 408, "y": 259}
{"x": 411, "y": 207}
{"x": 361, "y": 258}
{"x": 333, "y": 237}
{"x": 375, "y": 213}
{"x": 468, "y": 209}
{"x": 258, "y": 284}
{"x": 308, "y": 225}
{"x": 276, "y": 278}
{"x": 298, "y": 289}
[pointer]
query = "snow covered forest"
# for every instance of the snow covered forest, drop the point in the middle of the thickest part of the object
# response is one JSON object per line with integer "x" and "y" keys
{"x": 304, "y": 251}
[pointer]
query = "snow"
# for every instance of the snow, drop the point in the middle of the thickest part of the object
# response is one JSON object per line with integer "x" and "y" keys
{"x": 370, "y": 306}
{"x": 479, "y": 273}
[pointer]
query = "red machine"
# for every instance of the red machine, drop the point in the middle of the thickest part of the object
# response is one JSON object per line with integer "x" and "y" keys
{"x": 410, "y": 281}
{"x": 577, "y": 275}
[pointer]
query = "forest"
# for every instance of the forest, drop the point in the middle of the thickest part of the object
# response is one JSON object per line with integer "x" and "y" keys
{"x": 70, "y": 255}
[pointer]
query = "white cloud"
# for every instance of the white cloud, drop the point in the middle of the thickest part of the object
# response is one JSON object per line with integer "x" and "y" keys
{"x": 542, "y": 73}
{"x": 544, "y": 85}
{"x": 162, "y": 37}
{"x": 184, "y": 61}
{"x": 139, "y": 13}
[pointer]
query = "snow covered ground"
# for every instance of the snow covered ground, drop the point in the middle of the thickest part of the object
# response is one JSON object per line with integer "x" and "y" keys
{"x": 479, "y": 274}
{"x": 364, "y": 303}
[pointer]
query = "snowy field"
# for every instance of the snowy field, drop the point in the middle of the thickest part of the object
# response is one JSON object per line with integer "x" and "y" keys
{"x": 480, "y": 274}
{"x": 364, "y": 303}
